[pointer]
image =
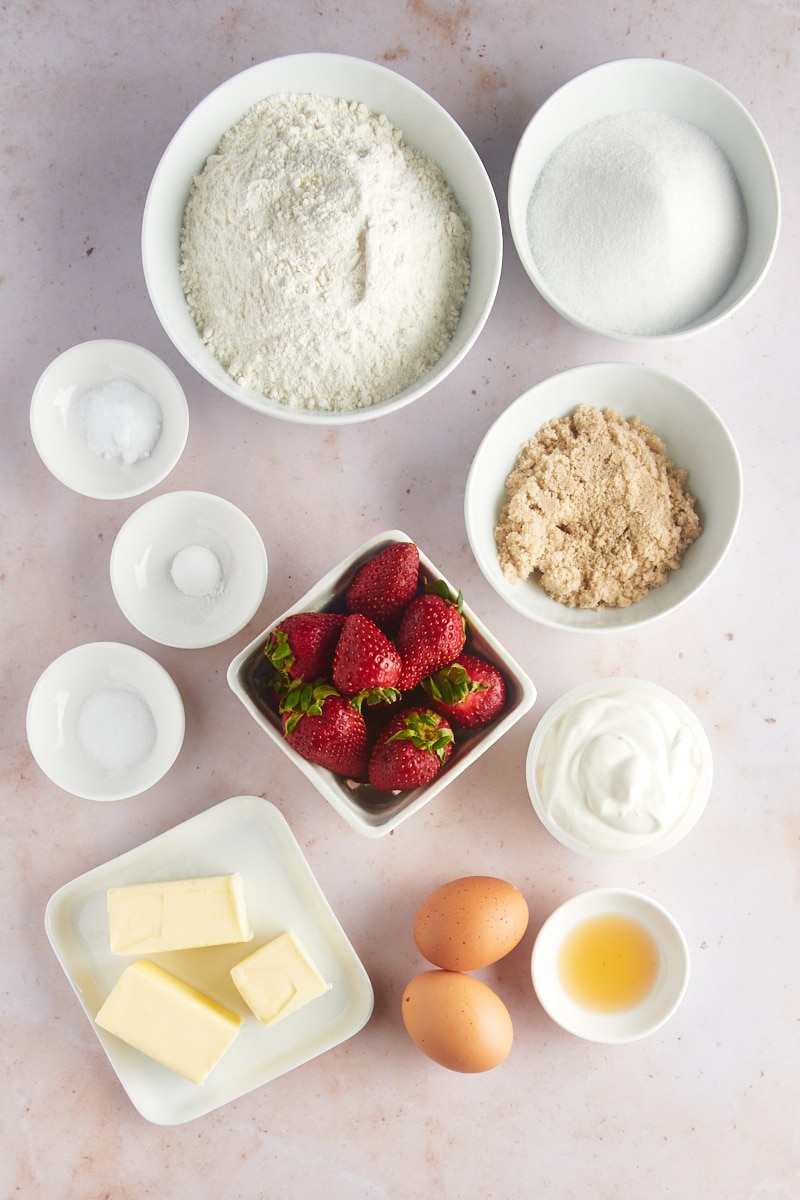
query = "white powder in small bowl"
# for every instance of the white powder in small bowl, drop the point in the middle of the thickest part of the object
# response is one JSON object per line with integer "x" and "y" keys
{"x": 120, "y": 420}
{"x": 116, "y": 728}
{"x": 196, "y": 571}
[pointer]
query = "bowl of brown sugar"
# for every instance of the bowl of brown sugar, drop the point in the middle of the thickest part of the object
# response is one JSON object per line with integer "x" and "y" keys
{"x": 603, "y": 498}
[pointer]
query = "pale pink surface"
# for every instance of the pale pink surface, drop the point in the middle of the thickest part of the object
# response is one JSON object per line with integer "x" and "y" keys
{"x": 708, "y": 1106}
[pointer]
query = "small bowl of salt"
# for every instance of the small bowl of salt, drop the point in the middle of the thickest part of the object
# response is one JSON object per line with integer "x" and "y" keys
{"x": 105, "y": 721}
{"x": 643, "y": 202}
{"x": 188, "y": 569}
{"x": 109, "y": 419}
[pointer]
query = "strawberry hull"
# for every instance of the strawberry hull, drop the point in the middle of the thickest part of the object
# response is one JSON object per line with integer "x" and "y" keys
{"x": 369, "y": 812}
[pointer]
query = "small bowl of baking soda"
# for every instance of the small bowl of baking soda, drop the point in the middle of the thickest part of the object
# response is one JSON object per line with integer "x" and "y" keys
{"x": 188, "y": 569}
{"x": 109, "y": 419}
{"x": 643, "y": 201}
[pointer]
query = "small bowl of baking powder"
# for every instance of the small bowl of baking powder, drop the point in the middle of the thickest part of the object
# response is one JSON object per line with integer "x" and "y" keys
{"x": 109, "y": 419}
{"x": 321, "y": 240}
{"x": 603, "y": 498}
{"x": 643, "y": 201}
{"x": 188, "y": 569}
{"x": 105, "y": 721}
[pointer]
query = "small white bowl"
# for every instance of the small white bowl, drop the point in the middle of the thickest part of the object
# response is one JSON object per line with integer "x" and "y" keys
{"x": 142, "y": 560}
{"x": 641, "y": 741}
{"x": 696, "y": 439}
{"x": 86, "y": 673}
{"x": 657, "y": 85}
{"x": 371, "y": 813}
{"x": 425, "y": 125}
{"x": 629, "y": 1024}
{"x": 57, "y": 428}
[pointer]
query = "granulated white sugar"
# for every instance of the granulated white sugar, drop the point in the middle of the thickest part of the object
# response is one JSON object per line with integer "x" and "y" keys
{"x": 116, "y": 728}
{"x": 637, "y": 223}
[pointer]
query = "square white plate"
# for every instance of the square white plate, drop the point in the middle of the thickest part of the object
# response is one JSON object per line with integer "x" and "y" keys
{"x": 245, "y": 834}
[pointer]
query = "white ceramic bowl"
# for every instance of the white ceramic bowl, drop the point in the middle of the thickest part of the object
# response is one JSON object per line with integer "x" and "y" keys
{"x": 629, "y": 1024}
{"x": 425, "y": 125}
{"x": 368, "y": 812}
{"x": 145, "y": 550}
{"x": 629, "y": 769}
{"x": 88, "y": 673}
{"x": 696, "y": 439}
{"x": 57, "y": 426}
{"x": 668, "y": 87}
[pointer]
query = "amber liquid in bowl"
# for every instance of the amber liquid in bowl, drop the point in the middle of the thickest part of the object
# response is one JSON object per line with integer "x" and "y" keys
{"x": 608, "y": 963}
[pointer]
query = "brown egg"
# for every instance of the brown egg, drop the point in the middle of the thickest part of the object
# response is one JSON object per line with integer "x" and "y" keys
{"x": 470, "y": 923}
{"x": 457, "y": 1021}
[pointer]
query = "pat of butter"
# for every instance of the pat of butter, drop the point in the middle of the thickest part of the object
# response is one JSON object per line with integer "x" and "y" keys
{"x": 168, "y": 1020}
{"x": 278, "y": 978}
{"x": 177, "y": 914}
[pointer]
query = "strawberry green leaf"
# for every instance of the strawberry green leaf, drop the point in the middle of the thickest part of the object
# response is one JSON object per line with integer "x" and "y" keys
{"x": 374, "y": 696}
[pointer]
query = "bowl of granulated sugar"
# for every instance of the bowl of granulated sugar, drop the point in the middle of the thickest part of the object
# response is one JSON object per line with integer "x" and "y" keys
{"x": 321, "y": 240}
{"x": 643, "y": 201}
{"x": 109, "y": 419}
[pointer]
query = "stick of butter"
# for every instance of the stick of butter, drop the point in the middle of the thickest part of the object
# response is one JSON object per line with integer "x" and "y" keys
{"x": 177, "y": 914}
{"x": 168, "y": 1020}
{"x": 278, "y": 979}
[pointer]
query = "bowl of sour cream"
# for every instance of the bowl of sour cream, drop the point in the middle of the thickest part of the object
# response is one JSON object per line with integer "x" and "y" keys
{"x": 619, "y": 768}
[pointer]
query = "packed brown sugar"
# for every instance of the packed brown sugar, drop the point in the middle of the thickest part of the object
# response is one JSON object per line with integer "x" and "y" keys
{"x": 596, "y": 512}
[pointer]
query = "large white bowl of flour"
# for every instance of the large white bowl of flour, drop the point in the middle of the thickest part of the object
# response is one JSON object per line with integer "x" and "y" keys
{"x": 306, "y": 293}
{"x": 643, "y": 201}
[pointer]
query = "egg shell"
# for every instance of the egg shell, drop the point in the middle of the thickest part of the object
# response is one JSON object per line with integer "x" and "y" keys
{"x": 457, "y": 1020}
{"x": 470, "y": 923}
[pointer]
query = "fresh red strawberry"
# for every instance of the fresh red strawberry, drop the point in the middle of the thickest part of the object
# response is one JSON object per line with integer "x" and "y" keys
{"x": 382, "y": 588}
{"x": 469, "y": 693}
{"x": 301, "y": 646}
{"x": 365, "y": 661}
{"x": 325, "y": 728}
{"x": 411, "y": 750}
{"x": 431, "y": 636}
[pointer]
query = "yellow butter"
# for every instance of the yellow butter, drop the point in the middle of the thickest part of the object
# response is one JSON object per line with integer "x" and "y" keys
{"x": 278, "y": 978}
{"x": 177, "y": 914}
{"x": 168, "y": 1020}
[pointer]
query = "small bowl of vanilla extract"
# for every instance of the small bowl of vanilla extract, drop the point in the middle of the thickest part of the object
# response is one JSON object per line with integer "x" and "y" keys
{"x": 610, "y": 965}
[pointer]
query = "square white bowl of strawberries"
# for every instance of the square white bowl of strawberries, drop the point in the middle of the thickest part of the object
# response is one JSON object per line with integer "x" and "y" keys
{"x": 381, "y": 684}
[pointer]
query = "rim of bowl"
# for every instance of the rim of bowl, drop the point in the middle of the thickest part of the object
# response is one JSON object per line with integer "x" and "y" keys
{"x": 631, "y": 1024}
{"x": 650, "y": 849}
{"x": 157, "y": 242}
{"x": 477, "y": 494}
{"x": 684, "y": 79}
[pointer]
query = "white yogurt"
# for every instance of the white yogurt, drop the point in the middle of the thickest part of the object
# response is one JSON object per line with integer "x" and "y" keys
{"x": 619, "y": 768}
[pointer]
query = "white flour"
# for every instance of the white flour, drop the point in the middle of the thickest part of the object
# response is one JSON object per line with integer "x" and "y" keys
{"x": 325, "y": 261}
